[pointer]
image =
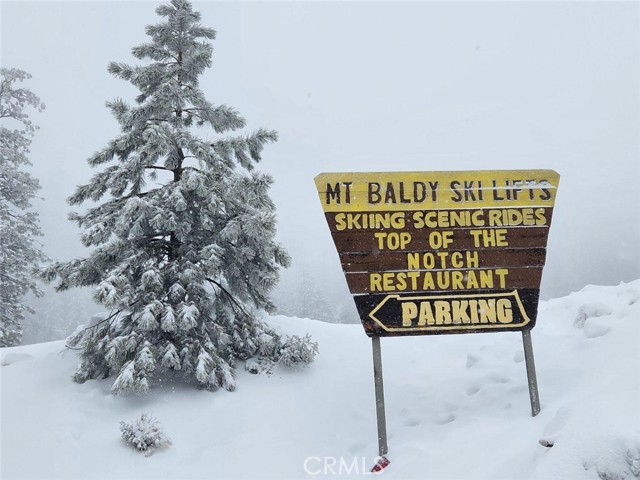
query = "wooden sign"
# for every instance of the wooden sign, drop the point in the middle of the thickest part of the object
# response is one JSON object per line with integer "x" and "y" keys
{"x": 441, "y": 252}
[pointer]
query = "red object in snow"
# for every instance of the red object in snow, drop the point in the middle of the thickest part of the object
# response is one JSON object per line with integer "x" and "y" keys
{"x": 382, "y": 463}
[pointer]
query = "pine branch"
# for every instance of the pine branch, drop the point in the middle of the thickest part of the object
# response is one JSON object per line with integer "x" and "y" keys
{"x": 228, "y": 295}
{"x": 109, "y": 319}
{"x": 158, "y": 168}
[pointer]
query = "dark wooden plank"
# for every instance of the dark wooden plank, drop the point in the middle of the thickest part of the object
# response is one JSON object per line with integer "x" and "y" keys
{"x": 433, "y": 260}
{"x": 462, "y": 239}
{"x": 381, "y": 314}
{"x": 443, "y": 280}
{"x": 516, "y": 217}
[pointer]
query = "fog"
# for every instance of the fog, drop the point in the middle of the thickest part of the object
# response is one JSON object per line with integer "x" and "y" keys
{"x": 384, "y": 86}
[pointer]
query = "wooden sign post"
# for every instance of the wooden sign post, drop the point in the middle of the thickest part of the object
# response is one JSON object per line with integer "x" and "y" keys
{"x": 428, "y": 253}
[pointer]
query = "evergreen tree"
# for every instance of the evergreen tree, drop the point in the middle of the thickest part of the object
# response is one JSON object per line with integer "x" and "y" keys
{"x": 184, "y": 251}
{"x": 20, "y": 254}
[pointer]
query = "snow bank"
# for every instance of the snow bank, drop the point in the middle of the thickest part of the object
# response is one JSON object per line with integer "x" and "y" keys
{"x": 457, "y": 407}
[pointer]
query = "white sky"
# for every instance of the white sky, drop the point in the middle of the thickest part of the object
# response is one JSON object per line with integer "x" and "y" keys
{"x": 385, "y": 86}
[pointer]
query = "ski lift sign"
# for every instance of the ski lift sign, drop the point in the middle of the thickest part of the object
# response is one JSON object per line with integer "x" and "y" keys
{"x": 441, "y": 252}
{"x": 429, "y": 253}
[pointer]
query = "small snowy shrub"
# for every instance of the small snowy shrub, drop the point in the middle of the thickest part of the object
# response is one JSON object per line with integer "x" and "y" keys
{"x": 259, "y": 365}
{"x": 298, "y": 350}
{"x": 144, "y": 434}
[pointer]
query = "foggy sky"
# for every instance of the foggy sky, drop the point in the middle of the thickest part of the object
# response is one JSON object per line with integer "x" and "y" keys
{"x": 359, "y": 86}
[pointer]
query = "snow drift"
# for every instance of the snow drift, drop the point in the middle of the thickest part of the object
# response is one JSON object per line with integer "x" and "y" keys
{"x": 457, "y": 407}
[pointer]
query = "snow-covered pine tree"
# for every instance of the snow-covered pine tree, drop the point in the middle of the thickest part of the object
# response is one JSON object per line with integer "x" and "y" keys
{"x": 20, "y": 253}
{"x": 184, "y": 249}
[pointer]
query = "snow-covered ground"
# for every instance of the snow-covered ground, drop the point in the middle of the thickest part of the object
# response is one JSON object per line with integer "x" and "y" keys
{"x": 457, "y": 407}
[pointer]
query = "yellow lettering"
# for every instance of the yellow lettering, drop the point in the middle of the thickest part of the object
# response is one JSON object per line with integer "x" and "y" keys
{"x": 414, "y": 279}
{"x": 443, "y": 280}
{"x": 472, "y": 259}
{"x": 427, "y": 282}
{"x": 430, "y": 220}
{"x": 443, "y": 312}
{"x": 413, "y": 261}
{"x": 514, "y": 217}
{"x": 443, "y": 218}
{"x": 456, "y": 260}
{"x": 397, "y": 220}
{"x": 505, "y": 314}
{"x": 360, "y": 221}
{"x": 501, "y": 237}
{"x": 489, "y": 237}
{"x": 456, "y": 311}
{"x": 502, "y": 273}
{"x": 387, "y": 282}
{"x": 353, "y": 221}
{"x": 375, "y": 282}
{"x": 418, "y": 220}
{"x": 438, "y": 239}
{"x": 477, "y": 218}
{"x": 456, "y": 280}
{"x": 527, "y": 217}
{"x": 447, "y": 239}
{"x": 486, "y": 279}
{"x": 459, "y": 313}
{"x": 472, "y": 281}
{"x": 426, "y": 315}
{"x": 405, "y": 239}
{"x": 487, "y": 310}
{"x": 473, "y": 309}
{"x": 494, "y": 218}
{"x": 459, "y": 218}
{"x": 402, "y": 281}
{"x": 409, "y": 312}
{"x": 392, "y": 240}
{"x": 380, "y": 237}
{"x": 443, "y": 259}
{"x": 429, "y": 261}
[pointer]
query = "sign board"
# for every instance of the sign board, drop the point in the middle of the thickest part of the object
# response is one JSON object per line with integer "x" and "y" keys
{"x": 441, "y": 252}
